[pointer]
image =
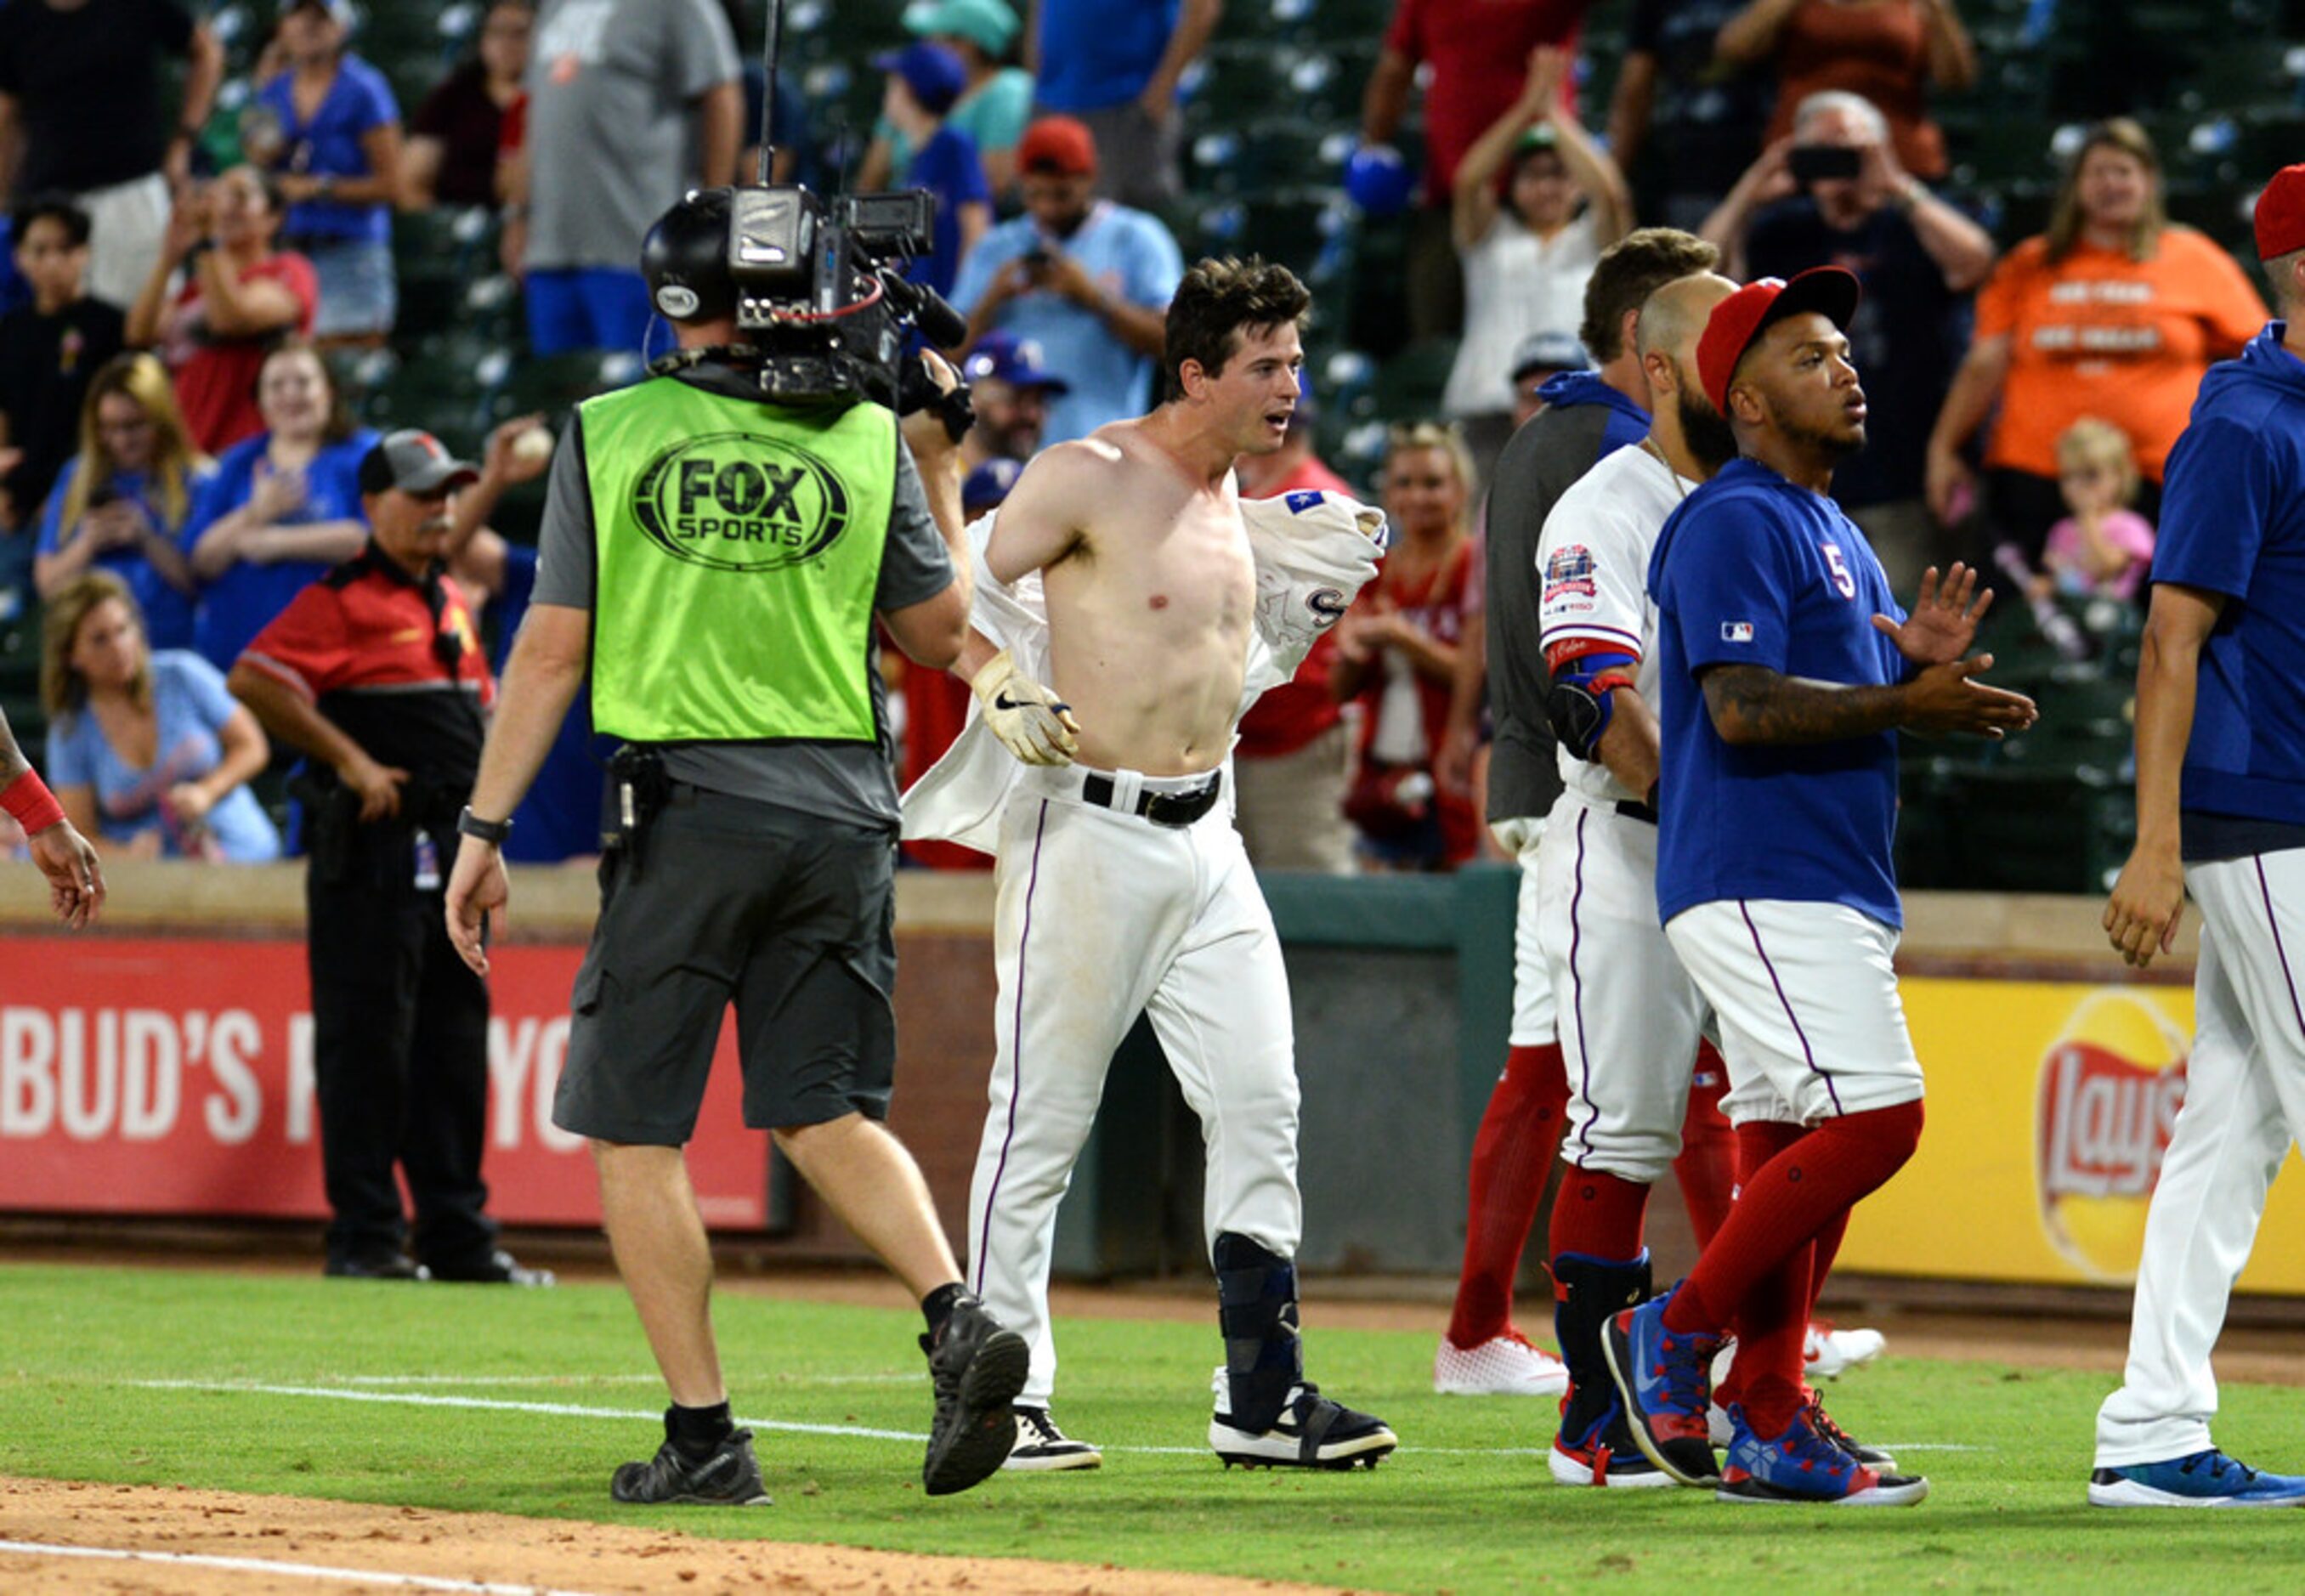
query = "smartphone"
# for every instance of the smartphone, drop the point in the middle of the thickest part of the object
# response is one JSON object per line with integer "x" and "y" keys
{"x": 101, "y": 495}
{"x": 1813, "y": 163}
{"x": 1037, "y": 259}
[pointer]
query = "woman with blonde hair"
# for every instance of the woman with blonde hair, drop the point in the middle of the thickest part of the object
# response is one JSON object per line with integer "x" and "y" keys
{"x": 120, "y": 503}
{"x": 147, "y": 753}
{"x": 1396, "y": 654}
{"x": 2116, "y": 312}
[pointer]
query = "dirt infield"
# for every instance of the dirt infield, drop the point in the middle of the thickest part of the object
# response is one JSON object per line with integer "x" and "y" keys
{"x": 260, "y": 1546}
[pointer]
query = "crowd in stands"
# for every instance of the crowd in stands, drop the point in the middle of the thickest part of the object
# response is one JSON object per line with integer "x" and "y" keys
{"x": 199, "y": 274}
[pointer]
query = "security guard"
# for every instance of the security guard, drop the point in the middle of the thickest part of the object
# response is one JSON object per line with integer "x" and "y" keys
{"x": 718, "y": 562}
{"x": 376, "y": 673}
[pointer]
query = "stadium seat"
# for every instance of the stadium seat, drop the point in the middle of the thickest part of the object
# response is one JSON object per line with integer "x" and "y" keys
{"x": 1408, "y": 385}
{"x": 553, "y": 384}
{"x": 2047, "y": 828}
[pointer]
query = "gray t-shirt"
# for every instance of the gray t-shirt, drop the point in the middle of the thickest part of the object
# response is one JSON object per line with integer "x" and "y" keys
{"x": 1539, "y": 465}
{"x": 611, "y": 137}
{"x": 852, "y": 782}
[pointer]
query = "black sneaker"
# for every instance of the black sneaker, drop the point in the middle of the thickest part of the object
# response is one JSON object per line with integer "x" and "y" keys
{"x": 1311, "y": 1433}
{"x": 374, "y": 1266}
{"x": 1876, "y": 1458}
{"x": 500, "y": 1268}
{"x": 729, "y": 1476}
{"x": 1041, "y": 1447}
{"x": 978, "y": 1367}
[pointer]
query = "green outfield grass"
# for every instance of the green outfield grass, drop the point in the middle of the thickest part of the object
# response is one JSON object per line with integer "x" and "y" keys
{"x": 153, "y": 1377}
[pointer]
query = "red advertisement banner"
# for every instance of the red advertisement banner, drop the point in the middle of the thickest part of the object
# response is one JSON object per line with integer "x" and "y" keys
{"x": 175, "y": 1077}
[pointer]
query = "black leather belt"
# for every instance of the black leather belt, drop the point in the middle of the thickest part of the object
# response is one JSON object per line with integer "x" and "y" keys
{"x": 1162, "y": 809}
{"x": 1633, "y": 809}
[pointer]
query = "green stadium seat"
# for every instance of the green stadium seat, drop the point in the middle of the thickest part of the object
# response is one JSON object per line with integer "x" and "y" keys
{"x": 551, "y": 385}
{"x": 1408, "y": 386}
{"x": 2054, "y": 827}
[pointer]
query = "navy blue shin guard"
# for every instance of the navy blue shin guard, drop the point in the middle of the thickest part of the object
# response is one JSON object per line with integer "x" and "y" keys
{"x": 1256, "y": 1305}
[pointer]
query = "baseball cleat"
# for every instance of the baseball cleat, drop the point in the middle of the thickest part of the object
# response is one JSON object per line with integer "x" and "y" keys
{"x": 1043, "y": 1448}
{"x": 1605, "y": 1455}
{"x": 1507, "y": 1365}
{"x": 1665, "y": 1381}
{"x": 2205, "y": 1479}
{"x": 1801, "y": 1467}
{"x": 1311, "y": 1433}
{"x": 728, "y": 1476}
{"x": 1872, "y": 1457}
{"x": 978, "y": 1367}
{"x": 500, "y": 1268}
{"x": 1827, "y": 1354}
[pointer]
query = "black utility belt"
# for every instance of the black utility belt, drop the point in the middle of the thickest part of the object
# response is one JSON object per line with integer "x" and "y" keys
{"x": 1633, "y": 809}
{"x": 1162, "y": 809}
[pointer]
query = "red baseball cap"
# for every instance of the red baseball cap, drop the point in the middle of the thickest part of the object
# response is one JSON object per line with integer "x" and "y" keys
{"x": 2281, "y": 214}
{"x": 1745, "y": 314}
{"x": 1057, "y": 147}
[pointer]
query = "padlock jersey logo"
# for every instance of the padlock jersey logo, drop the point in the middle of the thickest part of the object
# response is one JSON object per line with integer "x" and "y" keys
{"x": 737, "y": 501}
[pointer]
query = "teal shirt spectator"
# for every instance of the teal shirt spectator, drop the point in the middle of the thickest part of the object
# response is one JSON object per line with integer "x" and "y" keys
{"x": 191, "y": 703}
{"x": 1131, "y": 255}
{"x": 994, "y": 115}
{"x": 167, "y": 613}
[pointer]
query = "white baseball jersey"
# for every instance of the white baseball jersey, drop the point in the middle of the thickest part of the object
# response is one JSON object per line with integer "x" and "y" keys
{"x": 1593, "y": 564}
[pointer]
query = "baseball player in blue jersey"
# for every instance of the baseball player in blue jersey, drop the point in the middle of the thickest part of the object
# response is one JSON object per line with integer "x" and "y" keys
{"x": 1784, "y": 670}
{"x": 2220, "y": 812}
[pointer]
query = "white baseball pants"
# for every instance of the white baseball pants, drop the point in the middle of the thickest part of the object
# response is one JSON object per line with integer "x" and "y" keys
{"x": 1806, "y": 995}
{"x": 2244, "y": 1105}
{"x": 1533, "y": 1021}
{"x": 1101, "y": 916}
{"x": 1629, "y": 1015}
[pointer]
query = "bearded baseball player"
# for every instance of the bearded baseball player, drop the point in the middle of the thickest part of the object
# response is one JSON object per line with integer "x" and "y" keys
{"x": 1588, "y": 417}
{"x": 1630, "y": 1019}
{"x": 1784, "y": 670}
{"x": 1122, "y": 884}
{"x": 2220, "y": 812}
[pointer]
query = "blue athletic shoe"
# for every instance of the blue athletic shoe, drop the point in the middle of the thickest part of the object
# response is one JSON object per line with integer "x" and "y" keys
{"x": 1666, "y": 1380}
{"x": 1802, "y": 1466}
{"x": 2207, "y": 1479}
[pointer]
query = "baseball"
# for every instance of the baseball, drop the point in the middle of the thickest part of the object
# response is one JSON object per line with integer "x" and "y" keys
{"x": 535, "y": 443}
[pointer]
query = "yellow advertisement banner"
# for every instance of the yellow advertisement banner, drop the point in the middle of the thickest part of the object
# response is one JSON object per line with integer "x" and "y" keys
{"x": 2049, "y": 1106}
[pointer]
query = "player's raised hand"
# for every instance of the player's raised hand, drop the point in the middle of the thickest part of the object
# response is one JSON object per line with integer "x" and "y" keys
{"x": 1947, "y": 697}
{"x": 1944, "y": 618}
{"x": 1032, "y": 722}
{"x": 2147, "y": 902}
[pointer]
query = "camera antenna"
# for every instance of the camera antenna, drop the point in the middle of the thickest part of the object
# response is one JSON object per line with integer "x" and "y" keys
{"x": 769, "y": 53}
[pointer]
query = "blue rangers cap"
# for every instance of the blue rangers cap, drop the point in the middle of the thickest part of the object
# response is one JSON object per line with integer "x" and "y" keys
{"x": 1014, "y": 360}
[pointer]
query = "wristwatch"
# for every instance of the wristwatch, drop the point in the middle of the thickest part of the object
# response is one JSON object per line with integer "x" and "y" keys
{"x": 491, "y": 832}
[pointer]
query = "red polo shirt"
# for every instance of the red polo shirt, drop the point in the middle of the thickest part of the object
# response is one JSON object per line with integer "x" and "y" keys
{"x": 360, "y": 644}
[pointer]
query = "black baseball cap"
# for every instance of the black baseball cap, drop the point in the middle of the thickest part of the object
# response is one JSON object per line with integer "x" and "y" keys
{"x": 414, "y": 461}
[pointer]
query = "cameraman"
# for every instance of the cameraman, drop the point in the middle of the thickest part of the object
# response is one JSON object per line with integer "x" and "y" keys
{"x": 1834, "y": 194}
{"x": 718, "y": 560}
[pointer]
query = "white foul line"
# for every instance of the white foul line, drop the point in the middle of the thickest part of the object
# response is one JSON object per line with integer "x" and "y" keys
{"x": 411, "y": 1582}
{"x": 564, "y": 1410}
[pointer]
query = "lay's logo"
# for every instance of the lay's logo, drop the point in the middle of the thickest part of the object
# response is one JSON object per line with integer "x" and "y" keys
{"x": 2109, "y": 1091}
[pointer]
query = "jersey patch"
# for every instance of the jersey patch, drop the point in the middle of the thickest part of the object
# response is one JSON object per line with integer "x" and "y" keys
{"x": 1736, "y": 631}
{"x": 1302, "y": 500}
{"x": 1569, "y": 571}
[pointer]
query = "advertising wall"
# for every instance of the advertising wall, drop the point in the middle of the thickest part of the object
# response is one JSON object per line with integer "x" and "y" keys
{"x": 167, "y": 1076}
{"x": 2049, "y": 1106}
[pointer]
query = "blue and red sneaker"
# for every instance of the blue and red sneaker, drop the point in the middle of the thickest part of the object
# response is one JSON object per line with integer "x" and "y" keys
{"x": 1801, "y": 1466}
{"x": 1666, "y": 1380}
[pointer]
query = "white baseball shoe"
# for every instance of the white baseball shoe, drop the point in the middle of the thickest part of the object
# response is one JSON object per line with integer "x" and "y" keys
{"x": 1311, "y": 1433}
{"x": 1828, "y": 1353}
{"x": 1508, "y": 1364}
{"x": 1042, "y": 1449}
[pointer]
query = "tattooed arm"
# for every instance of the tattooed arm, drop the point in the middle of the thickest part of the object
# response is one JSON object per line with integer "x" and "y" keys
{"x": 1753, "y": 706}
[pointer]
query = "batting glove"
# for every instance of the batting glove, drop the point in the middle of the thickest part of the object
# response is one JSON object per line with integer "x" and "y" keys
{"x": 1032, "y": 722}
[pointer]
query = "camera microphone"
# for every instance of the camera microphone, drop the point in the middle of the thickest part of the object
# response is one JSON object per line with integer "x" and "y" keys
{"x": 940, "y": 323}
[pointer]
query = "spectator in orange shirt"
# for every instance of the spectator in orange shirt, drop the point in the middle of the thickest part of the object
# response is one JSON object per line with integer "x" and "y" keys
{"x": 2116, "y": 312}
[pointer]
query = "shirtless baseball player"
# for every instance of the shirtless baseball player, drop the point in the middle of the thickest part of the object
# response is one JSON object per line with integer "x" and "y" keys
{"x": 1785, "y": 668}
{"x": 1122, "y": 884}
